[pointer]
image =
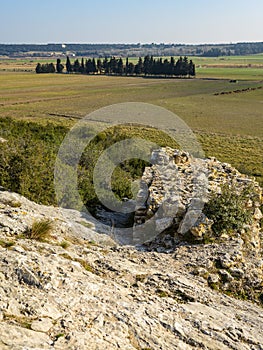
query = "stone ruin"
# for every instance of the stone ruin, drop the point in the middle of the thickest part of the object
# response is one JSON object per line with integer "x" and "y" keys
{"x": 174, "y": 190}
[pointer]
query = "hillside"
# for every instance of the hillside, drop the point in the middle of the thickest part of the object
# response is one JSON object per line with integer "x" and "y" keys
{"x": 78, "y": 289}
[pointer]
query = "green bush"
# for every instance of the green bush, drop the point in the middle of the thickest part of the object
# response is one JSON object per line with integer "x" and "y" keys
{"x": 28, "y": 159}
{"x": 228, "y": 210}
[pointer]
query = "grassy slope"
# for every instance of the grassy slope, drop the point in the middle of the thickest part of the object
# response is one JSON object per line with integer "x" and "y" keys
{"x": 229, "y": 126}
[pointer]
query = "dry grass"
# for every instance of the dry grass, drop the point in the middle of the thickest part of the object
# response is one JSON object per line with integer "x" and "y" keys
{"x": 40, "y": 230}
{"x": 6, "y": 244}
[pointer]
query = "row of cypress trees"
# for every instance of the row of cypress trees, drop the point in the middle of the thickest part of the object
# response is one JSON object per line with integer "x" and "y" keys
{"x": 115, "y": 66}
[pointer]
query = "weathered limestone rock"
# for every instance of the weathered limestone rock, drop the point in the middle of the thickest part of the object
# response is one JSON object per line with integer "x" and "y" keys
{"x": 175, "y": 189}
{"x": 42, "y": 325}
{"x": 132, "y": 300}
{"x": 19, "y": 338}
{"x": 178, "y": 188}
{"x": 257, "y": 214}
{"x": 93, "y": 294}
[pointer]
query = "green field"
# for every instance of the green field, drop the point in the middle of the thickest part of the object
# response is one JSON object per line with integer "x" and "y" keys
{"x": 225, "y": 67}
{"x": 66, "y": 97}
{"x": 252, "y": 61}
{"x": 229, "y": 126}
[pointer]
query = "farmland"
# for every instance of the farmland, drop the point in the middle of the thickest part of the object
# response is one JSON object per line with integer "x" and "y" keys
{"x": 229, "y": 126}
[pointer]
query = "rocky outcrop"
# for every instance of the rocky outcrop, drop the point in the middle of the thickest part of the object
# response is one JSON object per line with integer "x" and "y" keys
{"x": 80, "y": 290}
{"x": 17, "y": 214}
{"x": 176, "y": 188}
{"x": 170, "y": 212}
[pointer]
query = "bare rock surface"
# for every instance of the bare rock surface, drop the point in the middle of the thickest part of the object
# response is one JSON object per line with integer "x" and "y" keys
{"x": 93, "y": 294}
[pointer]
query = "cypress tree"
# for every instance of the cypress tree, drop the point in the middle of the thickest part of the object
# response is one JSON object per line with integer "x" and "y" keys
{"x": 89, "y": 66}
{"x": 127, "y": 66}
{"x": 185, "y": 66}
{"x": 38, "y": 68}
{"x": 94, "y": 67}
{"x": 139, "y": 67}
{"x": 147, "y": 65}
{"x": 113, "y": 65}
{"x": 131, "y": 68}
{"x": 106, "y": 65}
{"x": 154, "y": 67}
{"x": 120, "y": 68}
{"x": 82, "y": 66}
{"x": 178, "y": 67}
{"x": 160, "y": 66}
{"x": 52, "y": 68}
{"x": 151, "y": 64}
{"x": 59, "y": 66}
{"x": 172, "y": 66}
{"x": 68, "y": 65}
{"x": 99, "y": 65}
{"x": 76, "y": 66}
{"x": 191, "y": 68}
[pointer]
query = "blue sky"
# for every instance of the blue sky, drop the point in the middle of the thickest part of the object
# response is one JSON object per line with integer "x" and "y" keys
{"x": 131, "y": 21}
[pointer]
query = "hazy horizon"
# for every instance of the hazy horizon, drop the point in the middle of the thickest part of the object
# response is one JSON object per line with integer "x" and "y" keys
{"x": 142, "y": 21}
{"x": 127, "y": 43}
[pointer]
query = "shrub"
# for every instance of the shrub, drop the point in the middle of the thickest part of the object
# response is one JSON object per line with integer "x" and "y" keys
{"x": 40, "y": 230}
{"x": 64, "y": 244}
{"x": 6, "y": 244}
{"x": 228, "y": 210}
{"x": 82, "y": 262}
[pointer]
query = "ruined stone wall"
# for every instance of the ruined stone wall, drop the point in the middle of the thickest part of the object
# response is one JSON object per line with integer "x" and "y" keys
{"x": 174, "y": 190}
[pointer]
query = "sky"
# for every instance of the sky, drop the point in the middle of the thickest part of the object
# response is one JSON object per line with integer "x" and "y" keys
{"x": 131, "y": 21}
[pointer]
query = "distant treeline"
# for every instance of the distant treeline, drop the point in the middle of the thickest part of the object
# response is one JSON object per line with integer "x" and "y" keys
{"x": 115, "y": 66}
{"x": 129, "y": 50}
